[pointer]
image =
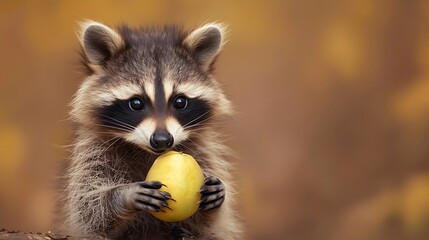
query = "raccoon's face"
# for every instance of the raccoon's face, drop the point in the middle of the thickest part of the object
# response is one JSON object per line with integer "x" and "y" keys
{"x": 150, "y": 87}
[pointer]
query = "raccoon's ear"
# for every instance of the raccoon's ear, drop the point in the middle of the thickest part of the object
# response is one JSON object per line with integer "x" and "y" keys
{"x": 100, "y": 43}
{"x": 206, "y": 42}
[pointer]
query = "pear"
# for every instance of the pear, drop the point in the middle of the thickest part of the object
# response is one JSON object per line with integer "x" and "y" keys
{"x": 183, "y": 179}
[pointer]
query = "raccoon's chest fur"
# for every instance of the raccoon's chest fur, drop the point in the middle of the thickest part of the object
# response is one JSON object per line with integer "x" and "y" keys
{"x": 134, "y": 161}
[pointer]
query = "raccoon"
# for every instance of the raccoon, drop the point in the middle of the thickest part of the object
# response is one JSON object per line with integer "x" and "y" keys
{"x": 147, "y": 91}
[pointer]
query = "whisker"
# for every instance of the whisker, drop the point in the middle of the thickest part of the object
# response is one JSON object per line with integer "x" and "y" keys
{"x": 195, "y": 119}
{"x": 202, "y": 127}
{"x": 186, "y": 126}
{"x": 113, "y": 142}
{"x": 122, "y": 128}
{"x": 118, "y": 121}
{"x": 212, "y": 125}
{"x": 118, "y": 126}
{"x": 115, "y": 125}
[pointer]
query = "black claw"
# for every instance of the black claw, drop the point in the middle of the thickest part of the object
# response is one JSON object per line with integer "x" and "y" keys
{"x": 152, "y": 184}
{"x": 165, "y": 204}
{"x": 152, "y": 193}
{"x": 166, "y": 195}
{"x": 148, "y": 197}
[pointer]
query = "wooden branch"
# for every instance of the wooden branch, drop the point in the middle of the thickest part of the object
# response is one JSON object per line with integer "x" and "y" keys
{"x": 12, "y": 234}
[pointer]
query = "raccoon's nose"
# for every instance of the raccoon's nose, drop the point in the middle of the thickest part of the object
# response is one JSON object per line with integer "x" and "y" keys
{"x": 161, "y": 140}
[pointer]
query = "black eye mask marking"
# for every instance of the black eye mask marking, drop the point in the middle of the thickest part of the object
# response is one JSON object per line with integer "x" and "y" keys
{"x": 196, "y": 111}
{"x": 120, "y": 117}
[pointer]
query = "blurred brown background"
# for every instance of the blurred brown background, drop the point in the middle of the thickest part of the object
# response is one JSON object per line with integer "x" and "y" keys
{"x": 332, "y": 129}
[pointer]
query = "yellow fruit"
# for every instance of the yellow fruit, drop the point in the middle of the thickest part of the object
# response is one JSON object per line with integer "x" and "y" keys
{"x": 183, "y": 177}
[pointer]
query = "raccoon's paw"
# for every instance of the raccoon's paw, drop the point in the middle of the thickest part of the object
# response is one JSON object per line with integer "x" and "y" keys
{"x": 182, "y": 234}
{"x": 213, "y": 194}
{"x": 146, "y": 196}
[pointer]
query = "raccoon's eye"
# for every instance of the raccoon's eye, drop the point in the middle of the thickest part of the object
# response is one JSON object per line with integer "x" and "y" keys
{"x": 180, "y": 102}
{"x": 136, "y": 104}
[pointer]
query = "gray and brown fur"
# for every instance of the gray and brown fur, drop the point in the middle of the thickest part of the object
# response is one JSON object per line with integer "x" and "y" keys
{"x": 106, "y": 193}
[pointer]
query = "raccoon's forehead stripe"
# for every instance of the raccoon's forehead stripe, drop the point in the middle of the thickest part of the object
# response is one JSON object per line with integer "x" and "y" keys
{"x": 168, "y": 87}
{"x": 149, "y": 88}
